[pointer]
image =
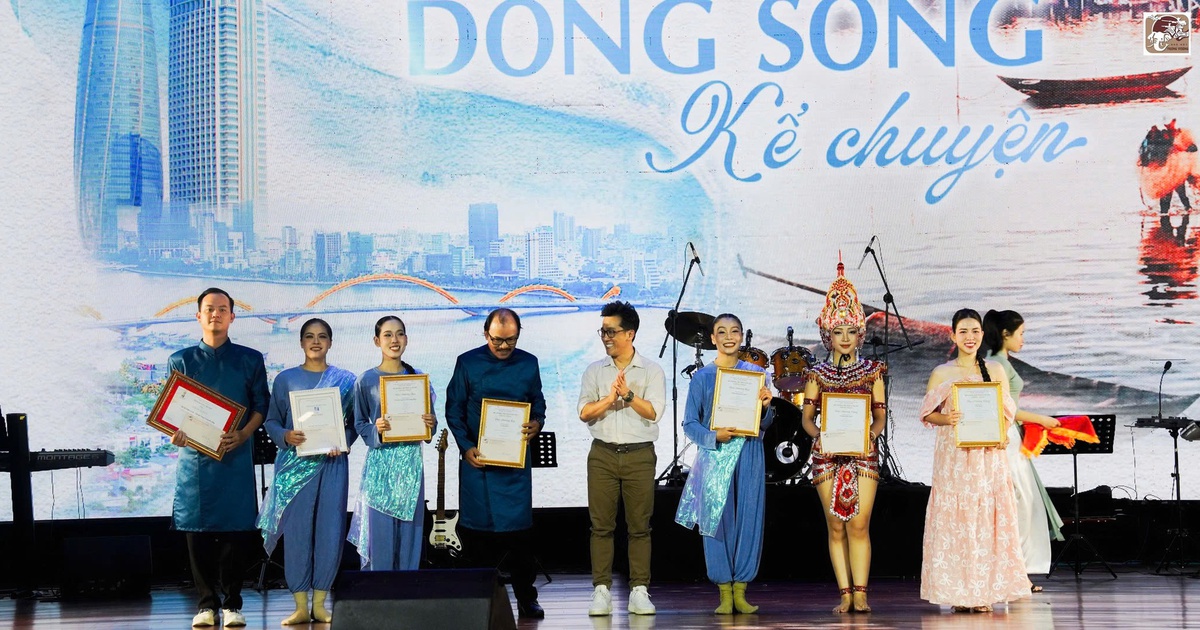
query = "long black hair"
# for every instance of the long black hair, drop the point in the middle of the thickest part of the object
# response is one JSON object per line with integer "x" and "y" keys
{"x": 967, "y": 313}
{"x": 713, "y": 330}
{"x": 408, "y": 369}
{"x": 996, "y": 324}
{"x": 321, "y": 322}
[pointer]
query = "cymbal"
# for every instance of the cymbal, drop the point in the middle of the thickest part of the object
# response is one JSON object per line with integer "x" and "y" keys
{"x": 690, "y": 327}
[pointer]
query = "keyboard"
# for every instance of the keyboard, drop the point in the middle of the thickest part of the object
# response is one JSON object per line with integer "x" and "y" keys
{"x": 61, "y": 458}
{"x": 1154, "y": 422}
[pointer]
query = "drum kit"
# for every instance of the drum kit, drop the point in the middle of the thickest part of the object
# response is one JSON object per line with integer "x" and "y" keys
{"x": 786, "y": 445}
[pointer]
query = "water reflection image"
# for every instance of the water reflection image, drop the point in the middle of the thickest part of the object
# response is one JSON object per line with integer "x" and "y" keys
{"x": 1168, "y": 257}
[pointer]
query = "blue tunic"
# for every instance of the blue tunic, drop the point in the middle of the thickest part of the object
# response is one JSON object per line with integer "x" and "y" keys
{"x": 492, "y": 498}
{"x": 211, "y": 495}
{"x": 316, "y": 501}
{"x": 726, "y": 488}
{"x": 279, "y": 417}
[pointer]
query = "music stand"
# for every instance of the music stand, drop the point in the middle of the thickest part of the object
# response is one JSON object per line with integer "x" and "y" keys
{"x": 545, "y": 450}
{"x": 545, "y": 455}
{"x": 1106, "y": 430}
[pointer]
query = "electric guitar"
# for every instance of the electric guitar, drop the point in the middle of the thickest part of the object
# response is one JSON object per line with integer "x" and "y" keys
{"x": 442, "y": 537}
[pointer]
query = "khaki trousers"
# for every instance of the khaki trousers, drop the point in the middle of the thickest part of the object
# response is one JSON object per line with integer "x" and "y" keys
{"x": 620, "y": 476}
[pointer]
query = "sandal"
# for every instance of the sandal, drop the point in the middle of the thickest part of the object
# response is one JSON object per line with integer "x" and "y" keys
{"x": 846, "y": 603}
{"x": 863, "y": 607}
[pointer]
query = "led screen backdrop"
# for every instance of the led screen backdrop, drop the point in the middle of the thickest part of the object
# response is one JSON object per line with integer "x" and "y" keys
{"x": 437, "y": 158}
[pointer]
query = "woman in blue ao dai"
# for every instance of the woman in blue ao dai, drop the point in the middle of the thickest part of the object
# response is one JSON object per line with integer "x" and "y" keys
{"x": 726, "y": 488}
{"x": 387, "y": 526}
{"x": 308, "y": 493}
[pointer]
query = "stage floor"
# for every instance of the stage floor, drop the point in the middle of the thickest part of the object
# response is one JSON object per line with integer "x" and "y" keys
{"x": 1135, "y": 600}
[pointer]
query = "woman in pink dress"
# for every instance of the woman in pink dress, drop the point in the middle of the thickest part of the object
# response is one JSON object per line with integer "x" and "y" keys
{"x": 972, "y": 552}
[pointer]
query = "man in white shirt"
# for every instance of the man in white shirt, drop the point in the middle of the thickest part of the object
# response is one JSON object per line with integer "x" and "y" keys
{"x": 621, "y": 398}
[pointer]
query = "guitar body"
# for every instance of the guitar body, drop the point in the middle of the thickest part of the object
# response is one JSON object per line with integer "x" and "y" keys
{"x": 444, "y": 537}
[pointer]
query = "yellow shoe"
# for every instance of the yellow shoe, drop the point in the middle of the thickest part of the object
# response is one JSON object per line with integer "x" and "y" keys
{"x": 739, "y": 599}
{"x": 301, "y": 615}
{"x": 726, "y": 607}
{"x": 320, "y": 615}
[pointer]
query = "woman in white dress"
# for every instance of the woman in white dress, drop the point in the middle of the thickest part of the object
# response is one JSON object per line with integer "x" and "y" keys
{"x": 1037, "y": 520}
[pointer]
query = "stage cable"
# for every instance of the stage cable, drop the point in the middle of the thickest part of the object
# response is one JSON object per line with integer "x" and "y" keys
{"x": 1133, "y": 448}
{"x": 80, "y": 506}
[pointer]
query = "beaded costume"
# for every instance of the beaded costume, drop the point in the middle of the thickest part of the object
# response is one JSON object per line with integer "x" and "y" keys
{"x": 842, "y": 308}
{"x": 858, "y": 378}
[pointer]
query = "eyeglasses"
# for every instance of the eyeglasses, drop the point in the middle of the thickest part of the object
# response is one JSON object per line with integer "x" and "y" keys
{"x": 500, "y": 342}
{"x": 609, "y": 333}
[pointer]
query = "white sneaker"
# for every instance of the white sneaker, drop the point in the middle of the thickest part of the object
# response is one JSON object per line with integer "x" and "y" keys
{"x": 206, "y": 617}
{"x": 601, "y": 602}
{"x": 639, "y": 601}
{"x": 232, "y": 618}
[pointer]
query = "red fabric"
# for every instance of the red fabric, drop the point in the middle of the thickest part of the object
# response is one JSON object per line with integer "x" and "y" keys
{"x": 1072, "y": 428}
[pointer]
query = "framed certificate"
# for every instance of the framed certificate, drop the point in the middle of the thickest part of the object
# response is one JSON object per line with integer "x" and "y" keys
{"x": 845, "y": 424}
{"x": 201, "y": 413}
{"x": 501, "y": 442}
{"x": 735, "y": 401}
{"x": 982, "y": 421}
{"x": 318, "y": 413}
{"x": 403, "y": 399}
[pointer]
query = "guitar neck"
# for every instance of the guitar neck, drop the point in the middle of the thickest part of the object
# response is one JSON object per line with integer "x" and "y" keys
{"x": 441, "y": 500}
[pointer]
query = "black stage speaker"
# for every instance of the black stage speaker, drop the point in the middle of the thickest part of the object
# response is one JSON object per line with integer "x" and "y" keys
{"x": 459, "y": 599}
{"x": 106, "y": 566}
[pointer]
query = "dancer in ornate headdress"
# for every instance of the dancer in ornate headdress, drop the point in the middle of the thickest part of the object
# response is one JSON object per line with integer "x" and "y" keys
{"x": 846, "y": 484}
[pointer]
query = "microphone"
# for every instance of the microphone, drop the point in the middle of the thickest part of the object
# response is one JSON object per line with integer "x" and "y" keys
{"x": 1166, "y": 366}
{"x": 749, "y": 336}
{"x": 867, "y": 251}
{"x": 695, "y": 257}
{"x": 789, "y": 336}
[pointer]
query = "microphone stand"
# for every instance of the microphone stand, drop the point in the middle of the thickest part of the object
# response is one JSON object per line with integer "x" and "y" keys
{"x": 673, "y": 473}
{"x": 888, "y": 468}
{"x": 1181, "y": 540}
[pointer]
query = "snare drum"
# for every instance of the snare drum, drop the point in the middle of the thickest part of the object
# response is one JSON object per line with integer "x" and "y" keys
{"x": 791, "y": 365}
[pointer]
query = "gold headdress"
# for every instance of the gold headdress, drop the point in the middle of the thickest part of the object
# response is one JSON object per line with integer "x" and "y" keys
{"x": 842, "y": 308}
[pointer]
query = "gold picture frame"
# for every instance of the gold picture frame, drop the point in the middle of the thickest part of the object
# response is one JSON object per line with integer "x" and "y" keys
{"x": 865, "y": 399}
{"x": 979, "y": 428}
{"x": 423, "y": 436}
{"x": 503, "y": 441}
{"x": 746, "y": 423}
